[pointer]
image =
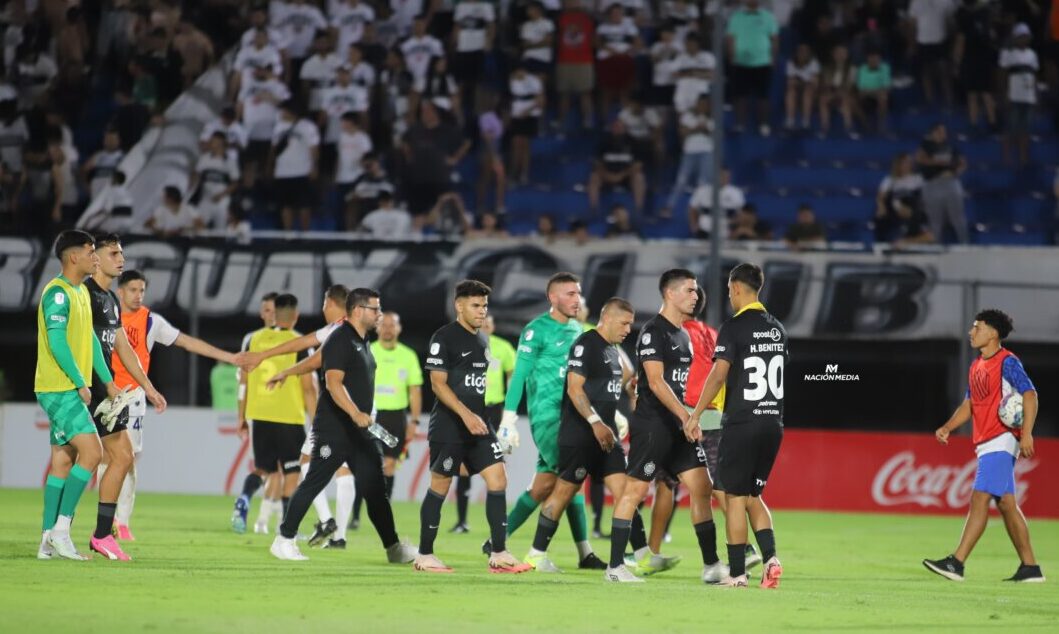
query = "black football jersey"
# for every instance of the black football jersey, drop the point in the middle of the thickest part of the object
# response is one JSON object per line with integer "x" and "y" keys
{"x": 755, "y": 343}
{"x": 661, "y": 340}
{"x": 599, "y": 362}
{"x": 464, "y": 355}
{"x": 106, "y": 318}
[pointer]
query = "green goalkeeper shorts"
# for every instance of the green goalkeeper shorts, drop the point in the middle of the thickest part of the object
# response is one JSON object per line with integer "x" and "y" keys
{"x": 67, "y": 415}
{"x": 546, "y": 437}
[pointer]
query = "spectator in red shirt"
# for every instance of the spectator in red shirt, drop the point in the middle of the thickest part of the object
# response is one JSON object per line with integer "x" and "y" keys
{"x": 575, "y": 74}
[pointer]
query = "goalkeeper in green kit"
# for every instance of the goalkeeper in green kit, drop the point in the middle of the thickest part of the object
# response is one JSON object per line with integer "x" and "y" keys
{"x": 540, "y": 371}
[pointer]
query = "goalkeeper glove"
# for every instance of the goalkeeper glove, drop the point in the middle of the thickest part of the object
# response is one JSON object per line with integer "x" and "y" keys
{"x": 110, "y": 410}
{"x": 622, "y": 424}
{"x": 507, "y": 434}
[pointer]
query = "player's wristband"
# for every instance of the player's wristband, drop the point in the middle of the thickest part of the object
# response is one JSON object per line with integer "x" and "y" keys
{"x": 594, "y": 418}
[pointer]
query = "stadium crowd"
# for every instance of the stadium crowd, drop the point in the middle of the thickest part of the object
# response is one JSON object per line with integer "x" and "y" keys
{"x": 404, "y": 117}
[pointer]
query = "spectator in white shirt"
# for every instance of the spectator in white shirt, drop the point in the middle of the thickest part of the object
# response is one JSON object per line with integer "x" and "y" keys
{"x": 802, "y": 74}
{"x": 366, "y": 191}
{"x": 348, "y": 18}
{"x": 1020, "y": 66}
{"x": 299, "y": 22}
{"x": 174, "y": 217}
{"x": 646, "y": 129}
{"x": 700, "y": 209}
{"x": 260, "y": 52}
{"x": 228, "y": 124}
{"x": 931, "y": 21}
{"x": 257, "y": 107}
{"x": 617, "y": 42}
{"x": 697, "y": 161}
{"x": 473, "y": 33}
{"x": 295, "y": 152}
{"x": 694, "y": 70}
{"x": 99, "y": 169}
{"x": 527, "y": 103}
{"x": 362, "y": 72}
{"x": 111, "y": 211}
{"x": 387, "y": 222}
{"x": 259, "y": 19}
{"x": 535, "y": 38}
{"x": 418, "y": 50}
{"x": 343, "y": 98}
{"x": 215, "y": 179}
{"x": 318, "y": 72}
{"x": 665, "y": 54}
{"x": 353, "y": 146}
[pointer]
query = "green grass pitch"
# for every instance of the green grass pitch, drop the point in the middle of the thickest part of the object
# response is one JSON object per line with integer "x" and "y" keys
{"x": 190, "y": 573}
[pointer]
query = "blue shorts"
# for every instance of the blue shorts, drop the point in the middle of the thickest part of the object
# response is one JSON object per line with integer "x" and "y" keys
{"x": 996, "y": 474}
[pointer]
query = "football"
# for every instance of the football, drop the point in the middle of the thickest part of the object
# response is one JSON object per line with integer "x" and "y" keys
{"x": 1010, "y": 409}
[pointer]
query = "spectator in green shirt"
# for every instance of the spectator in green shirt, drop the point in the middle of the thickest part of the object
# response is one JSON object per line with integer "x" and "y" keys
{"x": 224, "y": 387}
{"x": 873, "y": 90}
{"x": 752, "y": 42}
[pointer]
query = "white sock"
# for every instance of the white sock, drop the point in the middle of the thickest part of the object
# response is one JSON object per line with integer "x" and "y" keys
{"x": 643, "y": 552}
{"x": 533, "y": 552}
{"x": 62, "y": 525}
{"x": 127, "y": 497}
{"x": 323, "y": 508}
{"x": 584, "y": 549}
{"x": 264, "y": 512}
{"x": 347, "y": 490}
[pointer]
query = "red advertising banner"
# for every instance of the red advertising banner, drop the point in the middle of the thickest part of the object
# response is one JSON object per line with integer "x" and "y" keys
{"x": 898, "y": 473}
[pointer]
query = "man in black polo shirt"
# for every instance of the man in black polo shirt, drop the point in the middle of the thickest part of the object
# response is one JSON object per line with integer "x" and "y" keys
{"x": 658, "y": 441}
{"x": 343, "y": 414}
{"x": 749, "y": 360}
{"x": 941, "y": 166}
{"x": 616, "y": 164}
{"x": 457, "y": 362}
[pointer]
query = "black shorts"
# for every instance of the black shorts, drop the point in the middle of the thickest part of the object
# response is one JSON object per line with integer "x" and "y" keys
{"x": 661, "y": 95}
{"x": 395, "y": 422}
{"x": 932, "y": 53}
{"x": 277, "y": 446}
{"x": 711, "y": 443}
{"x": 655, "y": 446}
{"x": 99, "y": 394}
{"x": 747, "y": 453}
{"x": 577, "y": 463}
{"x": 493, "y": 414}
{"x": 537, "y": 67}
{"x": 467, "y": 67}
{"x": 293, "y": 193}
{"x": 421, "y": 197}
{"x": 477, "y": 454}
{"x": 524, "y": 126}
{"x": 256, "y": 152}
{"x": 751, "y": 81}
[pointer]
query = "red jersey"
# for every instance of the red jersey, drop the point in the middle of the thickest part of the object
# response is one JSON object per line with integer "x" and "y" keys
{"x": 577, "y": 34}
{"x": 985, "y": 388}
{"x": 703, "y": 339}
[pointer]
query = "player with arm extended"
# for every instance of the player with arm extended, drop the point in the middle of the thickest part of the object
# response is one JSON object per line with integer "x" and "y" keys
{"x": 143, "y": 329}
{"x": 540, "y": 373}
{"x": 749, "y": 360}
{"x": 995, "y": 379}
{"x": 457, "y": 361}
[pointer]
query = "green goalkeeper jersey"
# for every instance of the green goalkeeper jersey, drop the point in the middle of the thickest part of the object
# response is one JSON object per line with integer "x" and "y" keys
{"x": 540, "y": 368}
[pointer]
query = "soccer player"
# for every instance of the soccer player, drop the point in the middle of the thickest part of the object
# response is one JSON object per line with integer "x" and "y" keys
{"x": 117, "y": 447}
{"x": 540, "y": 371}
{"x": 501, "y": 367}
{"x": 749, "y": 360}
{"x": 398, "y": 396}
{"x": 68, "y": 352}
{"x": 457, "y": 363}
{"x": 342, "y": 416}
{"x": 278, "y": 414}
{"x": 144, "y": 328}
{"x": 994, "y": 375}
{"x": 334, "y": 311}
{"x": 657, "y": 440}
{"x": 588, "y": 435}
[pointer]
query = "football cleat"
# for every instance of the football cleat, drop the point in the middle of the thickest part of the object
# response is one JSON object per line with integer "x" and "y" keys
{"x": 286, "y": 549}
{"x": 716, "y": 573}
{"x": 401, "y": 553}
{"x": 122, "y": 532}
{"x": 505, "y": 563}
{"x": 430, "y": 563}
{"x": 770, "y": 577}
{"x": 338, "y": 544}
{"x": 621, "y": 574}
{"x": 734, "y": 582}
{"x": 460, "y": 529}
{"x": 653, "y": 564}
{"x": 322, "y": 531}
{"x": 108, "y": 547}
{"x": 591, "y": 562}
{"x": 45, "y": 551}
{"x": 63, "y": 546}
{"x": 752, "y": 557}
{"x": 541, "y": 563}
{"x": 261, "y": 527}
{"x": 239, "y": 513}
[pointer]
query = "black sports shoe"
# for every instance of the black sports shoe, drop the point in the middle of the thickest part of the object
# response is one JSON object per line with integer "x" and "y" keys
{"x": 949, "y": 567}
{"x": 460, "y": 528}
{"x": 340, "y": 544}
{"x": 591, "y": 562}
{"x": 487, "y": 547}
{"x": 1027, "y": 574}
{"x": 354, "y": 524}
{"x": 322, "y": 530}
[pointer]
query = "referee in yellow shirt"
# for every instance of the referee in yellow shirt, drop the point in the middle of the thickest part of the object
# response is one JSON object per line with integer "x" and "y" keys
{"x": 501, "y": 366}
{"x": 398, "y": 397}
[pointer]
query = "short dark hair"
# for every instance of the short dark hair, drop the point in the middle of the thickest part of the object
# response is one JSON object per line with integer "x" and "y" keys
{"x": 998, "y": 320}
{"x": 172, "y": 192}
{"x": 472, "y": 288}
{"x": 71, "y": 239}
{"x": 619, "y": 303}
{"x": 749, "y": 274}
{"x": 358, "y": 296}
{"x": 269, "y": 297}
{"x": 131, "y": 275}
{"x": 286, "y": 300}
{"x": 562, "y": 277}
{"x": 337, "y": 293}
{"x": 104, "y": 239}
{"x": 700, "y": 303}
{"x": 671, "y": 276}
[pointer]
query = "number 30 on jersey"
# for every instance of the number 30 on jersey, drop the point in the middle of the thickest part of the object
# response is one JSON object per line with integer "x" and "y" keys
{"x": 764, "y": 378}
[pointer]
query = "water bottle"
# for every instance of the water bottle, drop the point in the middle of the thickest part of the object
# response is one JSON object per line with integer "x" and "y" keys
{"x": 380, "y": 433}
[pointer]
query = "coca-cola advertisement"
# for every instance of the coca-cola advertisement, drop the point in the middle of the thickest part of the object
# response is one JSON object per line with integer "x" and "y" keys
{"x": 898, "y": 473}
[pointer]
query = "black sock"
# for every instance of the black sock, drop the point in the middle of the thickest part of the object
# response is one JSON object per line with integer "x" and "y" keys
{"x": 463, "y": 497}
{"x": 357, "y": 501}
{"x": 388, "y": 482}
{"x": 286, "y": 504}
{"x": 766, "y": 541}
{"x": 545, "y": 532}
{"x": 736, "y": 559}
{"x": 429, "y": 518}
{"x": 619, "y": 539}
{"x": 706, "y": 532}
{"x": 251, "y": 485}
{"x": 595, "y": 493}
{"x": 638, "y": 536}
{"x": 496, "y": 514}
{"x": 105, "y": 519}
